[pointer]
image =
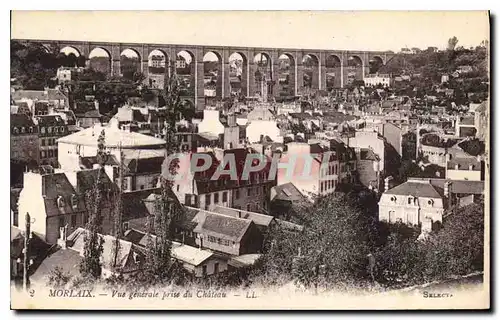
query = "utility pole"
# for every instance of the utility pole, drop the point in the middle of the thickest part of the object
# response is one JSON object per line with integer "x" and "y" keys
{"x": 26, "y": 251}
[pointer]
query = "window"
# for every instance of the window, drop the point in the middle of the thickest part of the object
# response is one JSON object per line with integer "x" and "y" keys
{"x": 49, "y": 129}
{"x": 216, "y": 267}
{"x": 216, "y": 198}
{"x": 74, "y": 201}
{"x": 409, "y": 200}
{"x": 224, "y": 196}
{"x": 249, "y": 191}
{"x": 249, "y": 207}
{"x": 51, "y": 153}
{"x": 207, "y": 199}
{"x": 31, "y": 129}
{"x": 237, "y": 194}
{"x": 125, "y": 226}
{"x": 204, "y": 270}
{"x": 178, "y": 186}
{"x": 73, "y": 220}
{"x": 23, "y": 129}
{"x": 42, "y": 141}
{"x": 42, "y": 130}
{"x": 62, "y": 129}
{"x": 85, "y": 218}
{"x": 56, "y": 129}
{"x": 16, "y": 130}
{"x": 60, "y": 202}
{"x": 55, "y": 153}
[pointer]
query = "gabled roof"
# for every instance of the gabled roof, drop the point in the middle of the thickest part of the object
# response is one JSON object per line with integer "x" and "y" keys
{"x": 460, "y": 186}
{"x": 125, "y": 257}
{"x": 20, "y": 120}
{"x": 222, "y": 226}
{"x": 257, "y": 218}
{"x": 67, "y": 260}
{"x": 417, "y": 189}
{"x": 188, "y": 254}
{"x": 288, "y": 192}
{"x": 52, "y": 94}
{"x": 50, "y": 120}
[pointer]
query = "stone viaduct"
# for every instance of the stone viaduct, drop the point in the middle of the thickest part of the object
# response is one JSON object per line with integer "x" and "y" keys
{"x": 328, "y": 69}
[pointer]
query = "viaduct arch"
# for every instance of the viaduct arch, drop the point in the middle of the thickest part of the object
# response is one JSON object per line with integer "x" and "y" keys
{"x": 330, "y": 68}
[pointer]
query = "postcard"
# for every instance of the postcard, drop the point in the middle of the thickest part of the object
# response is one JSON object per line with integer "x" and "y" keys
{"x": 250, "y": 160}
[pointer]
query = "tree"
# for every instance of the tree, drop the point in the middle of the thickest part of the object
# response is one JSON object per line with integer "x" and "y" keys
{"x": 90, "y": 265}
{"x": 117, "y": 214}
{"x": 335, "y": 245}
{"x": 452, "y": 43}
{"x": 167, "y": 212}
{"x": 458, "y": 248}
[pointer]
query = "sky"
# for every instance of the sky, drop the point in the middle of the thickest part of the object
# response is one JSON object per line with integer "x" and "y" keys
{"x": 335, "y": 30}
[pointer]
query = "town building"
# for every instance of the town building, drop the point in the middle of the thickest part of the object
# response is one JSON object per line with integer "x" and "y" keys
{"x": 50, "y": 129}
{"x": 142, "y": 155}
{"x": 310, "y": 168}
{"x": 421, "y": 202}
{"x": 54, "y": 98}
{"x": 226, "y": 234}
{"x": 373, "y": 80}
{"x": 197, "y": 189}
{"x": 23, "y": 139}
{"x": 70, "y": 251}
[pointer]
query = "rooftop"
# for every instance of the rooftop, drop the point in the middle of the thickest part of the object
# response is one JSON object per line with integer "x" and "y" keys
{"x": 422, "y": 188}
{"x": 114, "y": 138}
{"x": 188, "y": 254}
{"x": 225, "y": 227}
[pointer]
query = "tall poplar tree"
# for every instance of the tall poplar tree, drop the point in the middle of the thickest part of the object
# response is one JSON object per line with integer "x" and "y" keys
{"x": 93, "y": 243}
{"x": 166, "y": 210}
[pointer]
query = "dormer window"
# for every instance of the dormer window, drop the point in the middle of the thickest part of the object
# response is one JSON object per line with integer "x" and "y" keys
{"x": 60, "y": 202}
{"x": 74, "y": 201}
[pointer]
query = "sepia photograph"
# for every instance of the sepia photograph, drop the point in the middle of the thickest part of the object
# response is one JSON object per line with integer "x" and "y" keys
{"x": 250, "y": 160}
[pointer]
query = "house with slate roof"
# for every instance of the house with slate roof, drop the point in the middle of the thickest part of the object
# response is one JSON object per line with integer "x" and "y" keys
{"x": 422, "y": 202}
{"x": 226, "y": 234}
{"x": 58, "y": 199}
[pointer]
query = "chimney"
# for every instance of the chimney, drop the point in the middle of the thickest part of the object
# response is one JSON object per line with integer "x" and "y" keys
{"x": 231, "y": 120}
{"x": 387, "y": 182}
{"x": 62, "y": 241}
